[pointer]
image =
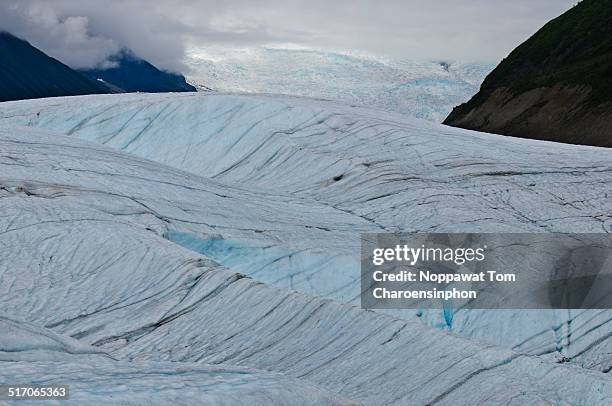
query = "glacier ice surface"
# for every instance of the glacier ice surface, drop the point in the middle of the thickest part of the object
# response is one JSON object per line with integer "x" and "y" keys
{"x": 76, "y": 215}
{"x": 423, "y": 89}
{"x": 325, "y": 172}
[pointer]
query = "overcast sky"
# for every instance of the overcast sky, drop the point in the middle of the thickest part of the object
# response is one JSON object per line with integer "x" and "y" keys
{"x": 85, "y": 33}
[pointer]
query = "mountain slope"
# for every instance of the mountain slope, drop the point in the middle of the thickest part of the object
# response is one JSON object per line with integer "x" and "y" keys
{"x": 556, "y": 86}
{"x": 132, "y": 74}
{"x": 314, "y": 174}
{"x": 83, "y": 256}
{"x": 28, "y": 73}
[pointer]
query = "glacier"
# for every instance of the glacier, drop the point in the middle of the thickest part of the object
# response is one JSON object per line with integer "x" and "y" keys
{"x": 238, "y": 218}
{"x": 37, "y": 355}
{"x": 424, "y": 89}
{"x": 347, "y": 170}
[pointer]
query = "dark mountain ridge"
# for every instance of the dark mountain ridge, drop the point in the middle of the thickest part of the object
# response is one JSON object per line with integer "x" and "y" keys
{"x": 28, "y": 73}
{"x": 555, "y": 86}
{"x": 133, "y": 74}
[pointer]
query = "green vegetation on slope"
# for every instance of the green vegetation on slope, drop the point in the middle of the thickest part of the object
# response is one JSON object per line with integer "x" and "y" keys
{"x": 574, "y": 48}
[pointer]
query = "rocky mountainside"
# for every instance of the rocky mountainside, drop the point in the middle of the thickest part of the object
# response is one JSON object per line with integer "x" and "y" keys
{"x": 555, "y": 86}
{"x": 28, "y": 73}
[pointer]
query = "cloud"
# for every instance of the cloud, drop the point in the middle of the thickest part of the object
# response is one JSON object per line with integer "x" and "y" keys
{"x": 66, "y": 39}
{"x": 84, "y": 33}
